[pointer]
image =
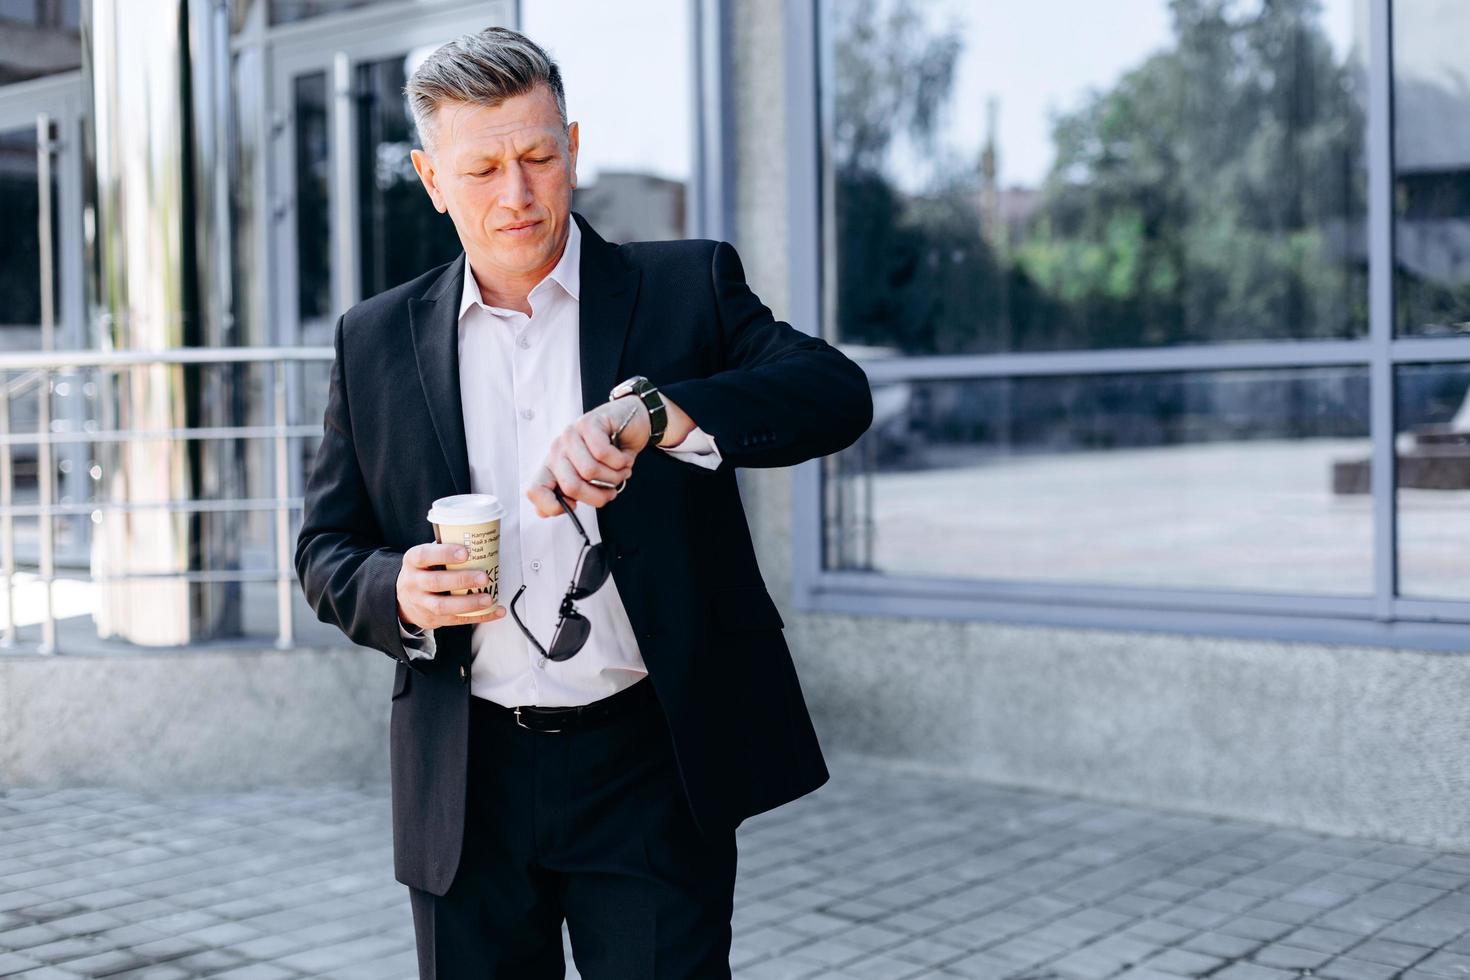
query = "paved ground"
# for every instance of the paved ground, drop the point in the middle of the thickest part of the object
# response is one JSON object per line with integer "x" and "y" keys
{"x": 880, "y": 875}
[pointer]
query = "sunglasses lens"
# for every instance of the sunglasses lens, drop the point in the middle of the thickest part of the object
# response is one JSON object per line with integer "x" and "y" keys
{"x": 592, "y": 573}
{"x": 570, "y": 637}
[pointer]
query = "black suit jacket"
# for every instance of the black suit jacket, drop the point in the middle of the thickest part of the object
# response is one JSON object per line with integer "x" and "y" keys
{"x": 710, "y": 634}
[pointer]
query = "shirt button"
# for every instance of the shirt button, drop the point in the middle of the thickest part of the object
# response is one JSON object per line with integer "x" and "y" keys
{"x": 536, "y": 566}
{"x": 524, "y": 343}
{"x": 528, "y": 413}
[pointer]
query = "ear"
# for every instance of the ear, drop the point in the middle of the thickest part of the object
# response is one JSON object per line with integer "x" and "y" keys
{"x": 423, "y": 165}
{"x": 572, "y": 135}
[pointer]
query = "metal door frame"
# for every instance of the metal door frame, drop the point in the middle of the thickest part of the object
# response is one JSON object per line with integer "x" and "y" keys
{"x": 61, "y": 99}
{"x": 333, "y": 45}
{"x": 336, "y": 46}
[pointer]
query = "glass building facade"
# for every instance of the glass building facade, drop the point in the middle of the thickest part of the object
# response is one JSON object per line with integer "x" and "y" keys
{"x": 1174, "y": 322}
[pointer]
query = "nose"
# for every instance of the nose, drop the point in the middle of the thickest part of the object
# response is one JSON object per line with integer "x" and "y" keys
{"x": 515, "y": 190}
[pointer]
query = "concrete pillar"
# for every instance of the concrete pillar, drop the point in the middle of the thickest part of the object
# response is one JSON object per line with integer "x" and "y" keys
{"x": 157, "y": 78}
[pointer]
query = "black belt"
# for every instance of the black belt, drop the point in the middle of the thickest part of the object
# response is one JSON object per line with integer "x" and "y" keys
{"x": 538, "y": 719}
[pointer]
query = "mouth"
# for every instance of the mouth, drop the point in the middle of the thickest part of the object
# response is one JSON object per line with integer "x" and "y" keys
{"x": 520, "y": 229}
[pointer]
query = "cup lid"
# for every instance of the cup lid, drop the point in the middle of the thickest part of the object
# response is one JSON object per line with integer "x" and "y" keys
{"x": 466, "y": 508}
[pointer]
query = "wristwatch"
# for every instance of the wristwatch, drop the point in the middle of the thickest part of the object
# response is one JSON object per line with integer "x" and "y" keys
{"x": 658, "y": 412}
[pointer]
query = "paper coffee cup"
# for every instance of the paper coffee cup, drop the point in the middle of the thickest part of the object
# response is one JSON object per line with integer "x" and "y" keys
{"x": 472, "y": 520}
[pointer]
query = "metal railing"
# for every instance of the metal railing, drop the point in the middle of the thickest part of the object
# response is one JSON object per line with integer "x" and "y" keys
{"x": 39, "y": 369}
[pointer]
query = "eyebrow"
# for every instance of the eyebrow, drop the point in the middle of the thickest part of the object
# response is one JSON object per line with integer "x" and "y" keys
{"x": 543, "y": 144}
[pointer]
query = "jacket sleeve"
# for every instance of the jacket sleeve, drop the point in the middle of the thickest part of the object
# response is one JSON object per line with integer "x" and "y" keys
{"x": 784, "y": 396}
{"x": 349, "y": 575}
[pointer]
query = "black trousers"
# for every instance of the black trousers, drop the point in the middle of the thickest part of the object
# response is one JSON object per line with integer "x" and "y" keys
{"x": 588, "y": 825}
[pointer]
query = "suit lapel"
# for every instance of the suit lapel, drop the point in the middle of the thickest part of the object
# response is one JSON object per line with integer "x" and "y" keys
{"x": 609, "y": 288}
{"x": 434, "y": 321}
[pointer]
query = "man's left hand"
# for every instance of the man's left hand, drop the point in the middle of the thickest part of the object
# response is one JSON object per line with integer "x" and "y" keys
{"x": 585, "y": 452}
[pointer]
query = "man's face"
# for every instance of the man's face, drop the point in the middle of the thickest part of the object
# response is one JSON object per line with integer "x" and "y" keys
{"x": 505, "y": 176}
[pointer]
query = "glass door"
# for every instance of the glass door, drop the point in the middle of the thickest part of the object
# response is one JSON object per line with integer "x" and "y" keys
{"x": 41, "y": 302}
{"x": 350, "y": 218}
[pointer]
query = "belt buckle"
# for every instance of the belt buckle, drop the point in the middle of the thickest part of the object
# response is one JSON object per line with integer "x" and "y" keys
{"x": 528, "y": 727}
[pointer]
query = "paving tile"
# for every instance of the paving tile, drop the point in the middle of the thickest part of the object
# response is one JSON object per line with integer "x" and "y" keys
{"x": 1348, "y": 968}
{"x": 1253, "y": 927}
{"x": 1183, "y": 963}
{"x": 1322, "y": 940}
{"x": 1287, "y": 957}
{"x": 1252, "y": 971}
{"x": 1222, "y": 945}
{"x": 1400, "y": 955}
{"x": 1446, "y": 964}
{"x": 15, "y": 963}
{"x": 44, "y": 973}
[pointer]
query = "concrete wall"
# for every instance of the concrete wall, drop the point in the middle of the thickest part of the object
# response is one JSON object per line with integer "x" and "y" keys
{"x": 194, "y": 719}
{"x": 1348, "y": 740}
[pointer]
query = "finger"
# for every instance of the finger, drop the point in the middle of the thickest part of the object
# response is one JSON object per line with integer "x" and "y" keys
{"x": 430, "y": 554}
{"x": 573, "y": 487}
{"x": 595, "y": 429}
{"x": 435, "y": 581}
{"x": 540, "y": 495}
{"x": 449, "y": 606}
{"x": 588, "y": 467}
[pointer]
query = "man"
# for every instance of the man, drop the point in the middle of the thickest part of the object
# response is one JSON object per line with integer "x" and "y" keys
{"x": 603, "y": 788}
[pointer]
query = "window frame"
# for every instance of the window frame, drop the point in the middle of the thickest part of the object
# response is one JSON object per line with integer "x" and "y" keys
{"x": 1381, "y": 619}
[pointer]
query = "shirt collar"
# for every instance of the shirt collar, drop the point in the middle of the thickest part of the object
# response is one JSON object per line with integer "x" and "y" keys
{"x": 566, "y": 273}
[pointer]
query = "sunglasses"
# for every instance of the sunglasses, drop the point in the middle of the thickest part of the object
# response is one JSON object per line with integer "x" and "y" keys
{"x": 572, "y": 628}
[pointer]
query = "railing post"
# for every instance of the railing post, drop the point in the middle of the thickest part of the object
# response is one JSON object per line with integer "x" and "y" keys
{"x": 44, "y": 483}
{"x": 45, "y": 464}
{"x": 284, "y": 569}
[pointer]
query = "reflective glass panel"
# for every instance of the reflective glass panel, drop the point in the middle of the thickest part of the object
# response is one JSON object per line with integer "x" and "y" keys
{"x": 1433, "y": 419}
{"x": 1432, "y": 167}
{"x": 1068, "y": 174}
{"x": 290, "y": 11}
{"x": 1231, "y": 480}
{"x": 402, "y": 236}
{"x": 20, "y": 251}
{"x": 313, "y": 198}
{"x": 39, "y": 37}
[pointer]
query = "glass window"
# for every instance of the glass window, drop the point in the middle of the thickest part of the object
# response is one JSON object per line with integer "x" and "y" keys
{"x": 402, "y": 235}
{"x": 1001, "y": 179}
{"x": 290, "y": 11}
{"x": 1432, "y": 167}
{"x": 997, "y": 182}
{"x": 313, "y": 217}
{"x": 39, "y": 37}
{"x": 20, "y": 263}
{"x": 1433, "y": 420}
{"x": 633, "y": 113}
{"x": 1229, "y": 480}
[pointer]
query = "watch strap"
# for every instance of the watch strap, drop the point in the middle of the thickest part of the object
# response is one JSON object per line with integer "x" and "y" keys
{"x": 658, "y": 412}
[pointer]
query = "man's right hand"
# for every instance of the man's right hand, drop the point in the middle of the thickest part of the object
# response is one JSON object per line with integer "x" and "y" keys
{"x": 421, "y": 588}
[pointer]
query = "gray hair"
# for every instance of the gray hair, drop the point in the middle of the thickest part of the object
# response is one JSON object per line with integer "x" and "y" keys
{"x": 484, "y": 68}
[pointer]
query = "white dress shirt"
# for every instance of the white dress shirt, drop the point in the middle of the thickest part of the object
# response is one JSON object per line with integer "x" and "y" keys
{"x": 520, "y": 382}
